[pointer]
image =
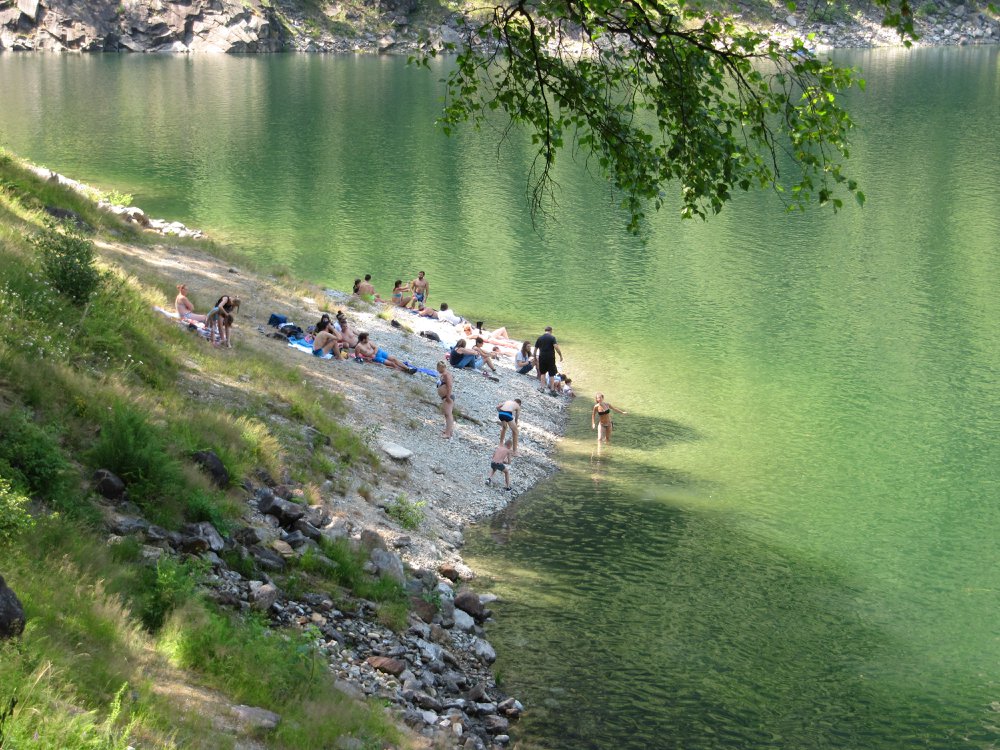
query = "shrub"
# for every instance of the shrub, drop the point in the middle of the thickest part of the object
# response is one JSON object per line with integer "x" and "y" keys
{"x": 132, "y": 449}
{"x": 14, "y": 516}
{"x": 163, "y": 588}
{"x": 32, "y": 460}
{"x": 407, "y": 514}
{"x": 68, "y": 261}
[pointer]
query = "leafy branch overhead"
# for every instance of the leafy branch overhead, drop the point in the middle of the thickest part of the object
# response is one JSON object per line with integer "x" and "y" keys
{"x": 660, "y": 94}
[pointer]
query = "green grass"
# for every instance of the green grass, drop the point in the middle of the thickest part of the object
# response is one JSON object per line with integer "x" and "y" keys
{"x": 101, "y": 384}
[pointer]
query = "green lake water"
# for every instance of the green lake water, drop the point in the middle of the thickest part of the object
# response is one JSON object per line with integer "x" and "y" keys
{"x": 793, "y": 542}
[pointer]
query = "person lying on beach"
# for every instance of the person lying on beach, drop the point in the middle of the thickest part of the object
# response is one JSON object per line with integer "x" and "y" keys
{"x": 496, "y": 338}
{"x": 367, "y": 351}
{"x": 498, "y": 462}
{"x": 185, "y": 310}
{"x": 401, "y": 296}
{"x": 509, "y": 414}
{"x": 445, "y": 314}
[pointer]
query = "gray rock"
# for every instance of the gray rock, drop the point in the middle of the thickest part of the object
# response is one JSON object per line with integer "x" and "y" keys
{"x": 285, "y": 511}
{"x": 263, "y": 596}
{"x": 484, "y": 651}
{"x": 109, "y": 485}
{"x": 396, "y": 451}
{"x": 468, "y": 602}
{"x": 12, "y": 617}
{"x": 212, "y": 464}
{"x": 464, "y": 622}
{"x": 388, "y": 564}
{"x": 205, "y": 532}
{"x": 255, "y": 718}
{"x": 127, "y": 525}
{"x": 266, "y": 558}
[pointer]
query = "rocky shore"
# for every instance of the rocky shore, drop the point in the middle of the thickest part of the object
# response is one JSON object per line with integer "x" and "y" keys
{"x": 394, "y": 26}
{"x": 435, "y": 672}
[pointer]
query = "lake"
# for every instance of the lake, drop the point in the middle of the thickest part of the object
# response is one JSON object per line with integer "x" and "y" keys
{"x": 792, "y": 542}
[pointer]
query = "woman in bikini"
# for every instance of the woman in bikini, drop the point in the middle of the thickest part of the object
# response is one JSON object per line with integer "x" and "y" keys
{"x": 445, "y": 386}
{"x": 600, "y": 418}
{"x": 401, "y": 296}
{"x": 185, "y": 310}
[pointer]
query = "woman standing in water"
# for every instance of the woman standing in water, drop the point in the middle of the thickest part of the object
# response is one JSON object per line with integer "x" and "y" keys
{"x": 600, "y": 418}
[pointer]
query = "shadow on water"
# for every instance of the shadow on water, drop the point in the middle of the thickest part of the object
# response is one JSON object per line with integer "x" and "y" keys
{"x": 690, "y": 632}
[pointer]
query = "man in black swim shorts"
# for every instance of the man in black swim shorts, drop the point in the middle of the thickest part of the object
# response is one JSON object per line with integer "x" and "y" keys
{"x": 546, "y": 349}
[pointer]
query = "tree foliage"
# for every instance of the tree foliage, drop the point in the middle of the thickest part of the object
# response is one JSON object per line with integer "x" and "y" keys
{"x": 655, "y": 93}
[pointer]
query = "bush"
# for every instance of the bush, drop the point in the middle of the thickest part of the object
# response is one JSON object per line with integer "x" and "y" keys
{"x": 31, "y": 459}
{"x": 132, "y": 449}
{"x": 68, "y": 261}
{"x": 14, "y": 516}
{"x": 162, "y": 589}
{"x": 407, "y": 514}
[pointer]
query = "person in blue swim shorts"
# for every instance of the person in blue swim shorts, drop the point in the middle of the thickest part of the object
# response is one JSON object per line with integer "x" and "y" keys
{"x": 509, "y": 414}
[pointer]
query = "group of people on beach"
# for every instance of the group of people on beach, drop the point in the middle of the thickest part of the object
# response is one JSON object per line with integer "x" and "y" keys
{"x": 218, "y": 321}
{"x": 336, "y": 336}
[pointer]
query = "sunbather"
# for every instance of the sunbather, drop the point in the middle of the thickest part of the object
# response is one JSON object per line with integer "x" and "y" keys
{"x": 367, "y": 351}
{"x": 185, "y": 310}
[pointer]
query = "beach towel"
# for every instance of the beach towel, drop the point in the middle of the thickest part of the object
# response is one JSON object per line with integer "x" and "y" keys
{"x": 194, "y": 325}
{"x": 302, "y": 346}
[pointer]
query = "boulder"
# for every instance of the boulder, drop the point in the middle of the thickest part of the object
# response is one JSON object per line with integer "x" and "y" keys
{"x": 388, "y": 564}
{"x": 263, "y": 596}
{"x": 285, "y": 511}
{"x": 253, "y": 718}
{"x": 464, "y": 622}
{"x": 11, "y": 612}
{"x": 386, "y": 664}
{"x": 266, "y": 558}
{"x": 201, "y": 535}
{"x": 109, "y": 485}
{"x": 212, "y": 464}
{"x": 484, "y": 651}
{"x": 468, "y": 602}
{"x": 128, "y": 525}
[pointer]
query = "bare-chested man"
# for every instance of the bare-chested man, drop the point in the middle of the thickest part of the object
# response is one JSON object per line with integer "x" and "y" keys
{"x": 421, "y": 290}
{"x": 509, "y": 413}
{"x": 498, "y": 462}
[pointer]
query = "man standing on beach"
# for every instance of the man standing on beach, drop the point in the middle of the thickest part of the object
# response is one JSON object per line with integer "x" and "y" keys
{"x": 421, "y": 290}
{"x": 509, "y": 413}
{"x": 546, "y": 348}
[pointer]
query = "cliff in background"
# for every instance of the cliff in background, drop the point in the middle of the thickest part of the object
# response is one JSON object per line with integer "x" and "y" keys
{"x": 396, "y": 25}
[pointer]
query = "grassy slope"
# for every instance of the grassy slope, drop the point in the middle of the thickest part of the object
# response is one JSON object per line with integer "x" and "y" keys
{"x": 118, "y": 652}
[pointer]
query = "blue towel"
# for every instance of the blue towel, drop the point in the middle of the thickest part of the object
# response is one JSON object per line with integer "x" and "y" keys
{"x": 302, "y": 346}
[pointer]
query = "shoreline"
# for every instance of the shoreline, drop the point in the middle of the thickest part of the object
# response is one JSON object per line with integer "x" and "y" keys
{"x": 397, "y": 415}
{"x": 257, "y": 27}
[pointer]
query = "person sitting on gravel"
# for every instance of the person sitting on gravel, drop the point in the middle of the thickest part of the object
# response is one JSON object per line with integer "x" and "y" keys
{"x": 524, "y": 363}
{"x": 483, "y": 357}
{"x": 185, "y": 310}
{"x": 347, "y": 334}
{"x": 461, "y": 356}
{"x": 401, "y": 294}
{"x": 368, "y": 352}
{"x": 326, "y": 340}
{"x": 498, "y": 462}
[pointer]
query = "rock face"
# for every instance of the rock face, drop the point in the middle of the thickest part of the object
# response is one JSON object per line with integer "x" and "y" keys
{"x": 191, "y": 26}
{"x": 11, "y": 612}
